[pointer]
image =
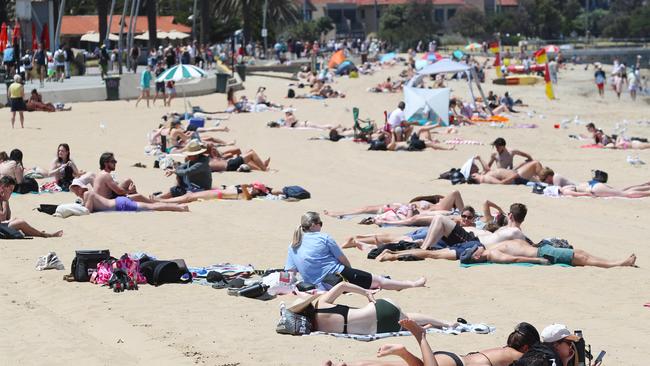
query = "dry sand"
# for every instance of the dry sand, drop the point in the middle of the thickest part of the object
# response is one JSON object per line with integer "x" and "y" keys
{"x": 44, "y": 320}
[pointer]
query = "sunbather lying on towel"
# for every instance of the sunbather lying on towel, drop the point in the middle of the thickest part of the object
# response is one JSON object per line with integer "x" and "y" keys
{"x": 527, "y": 172}
{"x": 420, "y": 204}
{"x": 519, "y": 342}
{"x": 378, "y": 316}
{"x": 237, "y": 192}
{"x": 597, "y": 189}
{"x": 219, "y": 163}
{"x": 95, "y": 203}
{"x": 290, "y": 121}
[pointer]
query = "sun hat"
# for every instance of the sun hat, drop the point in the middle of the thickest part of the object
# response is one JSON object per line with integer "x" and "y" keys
{"x": 194, "y": 147}
{"x": 78, "y": 182}
{"x": 302, "y": 303}
{"x": 556, "y": 332}
{"x": 260, "y": 187}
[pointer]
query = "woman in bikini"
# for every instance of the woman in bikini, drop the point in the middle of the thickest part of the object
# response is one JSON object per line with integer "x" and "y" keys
{"x": 378, "y": 316}
{"x": 597, "y": 189}
{"x": 237, "y": 192}
{"x": 529, "y": 171}
{"x": 519, "y": 342}
{"x": 63, "y": 169}
{"x": 290, "y": 121}
{"x": 420, "y": 203}
{"x": 627, "y": 144}
{"x": 179, "y": 137}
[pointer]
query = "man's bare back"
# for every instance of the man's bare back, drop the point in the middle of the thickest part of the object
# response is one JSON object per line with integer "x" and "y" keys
{"x": 502, "y": 234}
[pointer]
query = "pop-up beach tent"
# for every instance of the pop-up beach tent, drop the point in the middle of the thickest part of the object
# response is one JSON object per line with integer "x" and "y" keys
{"x": 426, "y": 105}
{"x": 447, "y": 66}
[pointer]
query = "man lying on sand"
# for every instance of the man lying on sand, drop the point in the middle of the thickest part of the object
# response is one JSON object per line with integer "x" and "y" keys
{"x": 528, "y": 171}
{"x": 250, "y": 159}
{"x": 518, "y": 342}
{"x": 96, "y": 203}
{"x": 7, "y": 185}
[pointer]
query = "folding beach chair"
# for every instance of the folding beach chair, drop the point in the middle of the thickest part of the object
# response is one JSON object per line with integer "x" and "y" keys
{"x": 363, "y": 128}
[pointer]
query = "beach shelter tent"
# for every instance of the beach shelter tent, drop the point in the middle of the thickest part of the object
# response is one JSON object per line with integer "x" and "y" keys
{"x": 447, "y": 66}
{"x": 387, "y": 57}
{"x": 425, "y": 105}
{"x": 93, "y": 37}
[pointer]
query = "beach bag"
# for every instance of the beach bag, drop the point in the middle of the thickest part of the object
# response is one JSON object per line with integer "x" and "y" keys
{"x": 600, "y": 176}
{"x": 457, "y": 178}
{"x": 415, "y": 144}
{"x": 10, "y": 233}
{"x": 296, "y": 192}
{"x": 104, "y": 272}
{"x": 28, "y": 185}
{"x": 132, "y": 268}
{"x": 292, "y": 323}
{"x": 85, "y": 263}
{"x": 378, "y": 145}
{"x": 160, "y": 272}
{"x": 291, "y": 93}
{"x": 60, "y": 56}
{"x": 48, "y": 209}
{"x": 279, "y": 283}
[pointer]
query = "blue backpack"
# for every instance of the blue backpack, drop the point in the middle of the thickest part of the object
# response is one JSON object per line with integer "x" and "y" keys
{"x": 296, "y": 192}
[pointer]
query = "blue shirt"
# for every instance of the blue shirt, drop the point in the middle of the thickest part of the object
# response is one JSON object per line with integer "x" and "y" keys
{"x": 8, "y": 55}
{"x": 317, "y": 256}
{"x": 145, "y": 79}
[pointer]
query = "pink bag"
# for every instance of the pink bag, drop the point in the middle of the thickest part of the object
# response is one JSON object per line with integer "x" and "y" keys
{"x": 103, "y": 273}
{"x": 132, "y": 268}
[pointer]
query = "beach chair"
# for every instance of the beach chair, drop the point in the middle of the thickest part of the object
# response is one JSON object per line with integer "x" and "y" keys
{"x": 363, "y": 128}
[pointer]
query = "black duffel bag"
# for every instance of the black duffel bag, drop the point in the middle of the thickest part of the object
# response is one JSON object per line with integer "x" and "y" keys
{"x": 85, "y": 262}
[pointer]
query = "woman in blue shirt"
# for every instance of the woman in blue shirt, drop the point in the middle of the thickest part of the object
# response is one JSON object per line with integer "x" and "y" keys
{"x": 315, "y": 255}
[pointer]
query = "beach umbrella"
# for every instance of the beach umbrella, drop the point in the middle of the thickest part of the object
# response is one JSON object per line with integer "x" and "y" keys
{"x": 3, "y": 37}
{"x": 182, "y": 72}
{"x": 45, "y": 37}
{"x": 551, "y": 48}
{"x": 474, "y": 47}
{"x": 431, "y": 56}
{"x": 17, "y": 33}
{"x": 34, "y": 37}
{"x": 458, "y": 54}
{"x": 387, "y": 57}
{"x": 337, "y": 58}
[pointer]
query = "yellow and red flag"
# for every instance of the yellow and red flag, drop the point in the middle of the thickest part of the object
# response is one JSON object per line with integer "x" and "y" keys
{"x": 542, "y": 59}
{"x": 494, "y": 47}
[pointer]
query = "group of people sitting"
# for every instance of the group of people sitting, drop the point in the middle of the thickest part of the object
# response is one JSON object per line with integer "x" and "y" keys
{"x": 616, "y": 142}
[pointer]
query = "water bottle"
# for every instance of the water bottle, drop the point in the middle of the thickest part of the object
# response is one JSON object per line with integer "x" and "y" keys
{"x": 580, "y": 348}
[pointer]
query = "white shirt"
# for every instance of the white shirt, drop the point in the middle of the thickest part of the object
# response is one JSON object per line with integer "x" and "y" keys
{"x": 396, "y": 117}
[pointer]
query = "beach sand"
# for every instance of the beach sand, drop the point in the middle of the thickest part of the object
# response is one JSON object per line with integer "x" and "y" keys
{"x": 44, "y": 320}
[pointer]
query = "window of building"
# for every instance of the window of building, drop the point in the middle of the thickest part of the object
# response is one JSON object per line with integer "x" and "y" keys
{"x": 450, "y": 13}
{"x": 439, "y": 15}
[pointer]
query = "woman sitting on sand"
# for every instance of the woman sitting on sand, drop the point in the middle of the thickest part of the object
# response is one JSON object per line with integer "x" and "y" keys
{"x": 318, "y": 259}
{"x": 290, "y": 121}
{"x": 35, "y": 103}
{"x": 597, "y": 189}
{"x": 13, "y": 167}
{"x": 236, "y": 192}
{"x": 235, "y": 106}
{"x": 378, "y": 316}
{"x": 260, "y": 98}
{"x": 519, "y": 342}
{"x": 63, "y": 169}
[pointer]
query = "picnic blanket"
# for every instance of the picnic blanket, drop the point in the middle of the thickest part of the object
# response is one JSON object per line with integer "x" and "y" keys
{"x": 591, "y": 146}
{"x": 228, "y": 271}
{"x": 490, "y": 119}
{"x": 459, "y": 141}
{"x": 461, "y": 328}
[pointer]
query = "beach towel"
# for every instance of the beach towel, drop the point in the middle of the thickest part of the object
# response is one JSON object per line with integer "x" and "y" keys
{"x": 227, "y": 270}
{"x": 591, "y": 146}
{"x": 50, "y": 187}
{"x": 462, "y": 328}
{"x": 459, "y": 141}
{"x": 490, "y": 119}
{"x": 467, "y": 265}
{"x": 70, "y": 209}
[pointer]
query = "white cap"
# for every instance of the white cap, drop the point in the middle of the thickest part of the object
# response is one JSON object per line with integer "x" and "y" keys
{"x": 556, "y": 332}
{"x": 78, "y": 182}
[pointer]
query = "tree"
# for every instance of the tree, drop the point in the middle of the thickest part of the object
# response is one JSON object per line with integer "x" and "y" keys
{"x": 102, "y": 13}
{"x": 405, "y": 25}
{"x": 640, "y": 22}
{"x": 469, "y": 21}
{"x": 280, "y": 13}
{"x": 311, "y": 30}
{"x": 151, "y": 24}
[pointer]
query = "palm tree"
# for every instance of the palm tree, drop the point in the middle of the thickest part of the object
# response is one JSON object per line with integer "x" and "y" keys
{"x": 205, "y": 21}
{"x": 151, "y": 22}
{"x": 284, "y": 12}
{"x": 102, "y": 14}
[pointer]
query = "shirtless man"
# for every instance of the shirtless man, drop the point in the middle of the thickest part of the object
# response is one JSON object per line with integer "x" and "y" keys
{"x": 458, "y": 239}
{"x": 503, "y": 157}
{"x": 104, "y": 185}
{"x": 96, "y": 203}
{"x": 7, "y": 185}
{"x": 519, "y": 342}
{"x": 250, "y": 158}
{"x": 520, "y": 251}
{"x": 528, "y": 171}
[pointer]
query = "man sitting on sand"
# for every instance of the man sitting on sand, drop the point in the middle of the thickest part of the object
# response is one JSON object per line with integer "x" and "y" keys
{"x": 194, "y": 175}
{"x": 104, "y": 184}
{"x": 7, "y": 185}
{"x": 96, "y": 203}
{"x": 503, "y": 157}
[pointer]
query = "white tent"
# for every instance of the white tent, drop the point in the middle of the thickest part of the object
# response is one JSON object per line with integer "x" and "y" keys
{"x": 145, "y": 36}
{"x": 93, "y": 37}
{"x": 447, "y": 66}
{"x": 424, "y": 105}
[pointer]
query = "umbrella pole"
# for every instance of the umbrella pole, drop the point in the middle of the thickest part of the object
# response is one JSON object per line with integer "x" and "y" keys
{"x": 184, "y": 100}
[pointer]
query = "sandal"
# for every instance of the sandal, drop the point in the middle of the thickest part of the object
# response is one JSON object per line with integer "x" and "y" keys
{"x": 367, "y": 221}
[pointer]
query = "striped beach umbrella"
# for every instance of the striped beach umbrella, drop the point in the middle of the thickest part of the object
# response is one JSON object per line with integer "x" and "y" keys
{"x": 182, "y": 72}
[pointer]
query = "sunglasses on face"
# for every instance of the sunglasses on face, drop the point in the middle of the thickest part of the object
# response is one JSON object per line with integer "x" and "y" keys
{"x": 467, "y": 217}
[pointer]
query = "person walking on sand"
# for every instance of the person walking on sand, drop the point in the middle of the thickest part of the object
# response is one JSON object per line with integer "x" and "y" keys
{"x": 145, "y": 85}
{"x": 600, "y": 78}
{"x": 16, "y": 93}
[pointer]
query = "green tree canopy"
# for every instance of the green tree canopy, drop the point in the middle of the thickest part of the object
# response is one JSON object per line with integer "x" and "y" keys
{"x": 404, "y": 25}
{"x": 469, "y": 21}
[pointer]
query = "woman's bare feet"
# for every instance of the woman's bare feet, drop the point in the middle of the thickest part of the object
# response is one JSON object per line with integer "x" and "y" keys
{"x": 387, "y": 256}
{"x": 56, "y": 234}
{"x": 629, "y": 262}
{"x": 390, "y": 349}
{"x": 412, "y": 327}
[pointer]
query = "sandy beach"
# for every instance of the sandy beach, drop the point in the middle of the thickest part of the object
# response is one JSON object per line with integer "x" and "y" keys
{"x": 44, "y": 320}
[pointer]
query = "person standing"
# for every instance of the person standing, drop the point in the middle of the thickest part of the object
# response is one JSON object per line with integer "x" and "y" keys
{"x": 600, "y": 78}
{"x": 160, "y": 85}
{"x": 135, "y": 55}
{"x": 8, "y": 59}
{"x": 103, "y": 61}
{"x": 40, "y": 63}
{"x": 16, "y": 93}
{"x": 145, "y": 85}
{"x": 69, "y": 56}
{"x": 59, "y": 62}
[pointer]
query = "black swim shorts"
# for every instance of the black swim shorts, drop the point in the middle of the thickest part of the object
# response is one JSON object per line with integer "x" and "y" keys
{"x": 459, "y": 235}
{"x": 234, "y": 164}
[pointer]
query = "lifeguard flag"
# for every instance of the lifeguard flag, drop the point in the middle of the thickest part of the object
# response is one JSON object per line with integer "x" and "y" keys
{"x": 494, "y": 47}
{"x": 542, "y": 59}
{"x": 497, "y": 64}
{"x": 337, "y": 58}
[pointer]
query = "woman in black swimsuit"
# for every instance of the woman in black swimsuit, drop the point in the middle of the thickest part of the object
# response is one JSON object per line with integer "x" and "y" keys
{"x": 519, "y": 341}
{"x": 378, "y": 316}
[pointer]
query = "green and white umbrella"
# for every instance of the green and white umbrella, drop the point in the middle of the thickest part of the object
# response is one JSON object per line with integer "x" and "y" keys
{"x": 182, "y": 72}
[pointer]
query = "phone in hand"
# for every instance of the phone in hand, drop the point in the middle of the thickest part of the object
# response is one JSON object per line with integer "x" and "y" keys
{"x": 599, "y": 359}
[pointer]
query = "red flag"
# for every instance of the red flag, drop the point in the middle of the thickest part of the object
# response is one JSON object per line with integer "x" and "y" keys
{"x": 3, "y": 37}
{"x": 45, "y": 37}
{"x": 16, "y": 34}
{"x": 34, "y": 37}
{"x": 494, "y": 47}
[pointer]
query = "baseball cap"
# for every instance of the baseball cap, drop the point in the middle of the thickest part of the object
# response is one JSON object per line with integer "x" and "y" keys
{"x": 556, "y": 332}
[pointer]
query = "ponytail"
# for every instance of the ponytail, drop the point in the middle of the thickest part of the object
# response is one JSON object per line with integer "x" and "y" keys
{"x": 306, "y": 221}
{"x": 297, "y": 237}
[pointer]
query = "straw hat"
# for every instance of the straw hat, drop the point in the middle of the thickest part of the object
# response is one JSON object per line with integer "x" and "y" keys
{"x": 302, "y": 303}
{"x": 194, "y": 147}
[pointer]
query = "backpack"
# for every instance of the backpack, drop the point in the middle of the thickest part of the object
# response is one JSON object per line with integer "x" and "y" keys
{"x": 60, "y": 56}
{"x": 292, "y": 323}
{"x": 85, "y": 263}
{"x": 7, "y": 232}
{"x": 160, "y": 272}
{"x": 296, "y": 192}
{"x": 291, "y": 93}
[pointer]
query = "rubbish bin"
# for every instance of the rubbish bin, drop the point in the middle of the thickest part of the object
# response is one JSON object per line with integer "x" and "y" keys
{"x": 222, "y": 82}
{"x": 112, "y": 87}
{"x": 241, "y": 70}
{"x": 364, "y": 58}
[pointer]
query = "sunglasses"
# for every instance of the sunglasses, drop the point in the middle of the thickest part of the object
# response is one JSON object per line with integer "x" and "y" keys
{"x": 113, "y": 161}
{"x": 467, "y": 217}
